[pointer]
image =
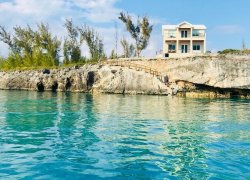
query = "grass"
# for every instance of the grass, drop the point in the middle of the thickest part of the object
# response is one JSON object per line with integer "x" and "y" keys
{"x": 48, "y": 67}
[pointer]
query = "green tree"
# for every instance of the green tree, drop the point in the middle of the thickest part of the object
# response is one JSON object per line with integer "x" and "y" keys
{"x": 14, "y": 57}
{"x": 93, "y": 41}
{"x": 140, "y": 32}
{"x": 30, "y": 48}
{"x": 71, "y": 46}
{"x": 46, "y": 47}
{"x": 113, "y": 55}
{"x": 6, "y": 38}
{"x": 128, "y": 49}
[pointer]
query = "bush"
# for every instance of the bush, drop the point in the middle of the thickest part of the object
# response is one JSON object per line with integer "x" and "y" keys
{"x": 35, "y": 48}
{"x": 235, "y": 51}
{"x": 230, "y": 51}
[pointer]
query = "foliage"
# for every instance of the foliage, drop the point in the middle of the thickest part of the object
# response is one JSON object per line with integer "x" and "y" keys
{"x": 230, "y": 51}
{"x": 71, "y": 45}
{"x": 1, "y": 62}
{"x": 140, "y": 32}
{"x": 38, "y": 48}
{"x": 113, "y": 55}
{"x": 94, "y": 42}
{"x": 29, "y": 48}
{"x": 246, "y": 51}
{"x": 128, "y": 49}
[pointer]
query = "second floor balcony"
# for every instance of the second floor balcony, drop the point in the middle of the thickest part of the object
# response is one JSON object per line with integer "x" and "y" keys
{"x": 185, "y": 35}
{"x": 199, "y": 35}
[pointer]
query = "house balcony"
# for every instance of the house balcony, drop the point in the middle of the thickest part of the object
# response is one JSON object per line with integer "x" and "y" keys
{"x": 199, "y": 36}
{"x": 172, "y": 51}
{"x": 184, "y": 51}
{"x": 170, "y": 36}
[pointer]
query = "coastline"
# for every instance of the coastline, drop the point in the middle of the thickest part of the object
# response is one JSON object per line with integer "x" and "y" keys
{"x": 212, "y": 77}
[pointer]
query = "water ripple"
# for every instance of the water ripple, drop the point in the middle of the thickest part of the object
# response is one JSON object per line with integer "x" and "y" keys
{"x": 65, "y": 136}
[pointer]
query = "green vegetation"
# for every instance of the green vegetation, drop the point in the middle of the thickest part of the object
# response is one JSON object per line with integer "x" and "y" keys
{"x": 38, "y": 48}
{"x": 71, "y": 45}
{"x": 94, "y": 42}
{"x": 30, "y": 47}
{"x": 234, "y": 51}
{"x": 140, "y": 32}
{"x": 128, "y": 49}
{"x": 113, "y": 55}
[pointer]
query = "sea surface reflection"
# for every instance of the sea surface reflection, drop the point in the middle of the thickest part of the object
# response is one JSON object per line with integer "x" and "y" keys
{"x": 74, "y": 136}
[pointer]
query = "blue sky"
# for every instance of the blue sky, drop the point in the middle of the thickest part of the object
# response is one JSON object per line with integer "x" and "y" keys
{"x": 227, "y": 21}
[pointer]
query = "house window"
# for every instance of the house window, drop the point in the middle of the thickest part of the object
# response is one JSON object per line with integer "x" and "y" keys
{"x": 196, "y": 32}
{"x": 171, "y": 48}
{"x": 196, "y": 47}
{"x": 172, "y": 33}
{"x": 183, "y": 34}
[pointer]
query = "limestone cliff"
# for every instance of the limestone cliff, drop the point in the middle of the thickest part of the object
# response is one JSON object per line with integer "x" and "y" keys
{"x": 197, "y": 77}
{"x": 212, "y": 76}
{"x": 88, "y": 78}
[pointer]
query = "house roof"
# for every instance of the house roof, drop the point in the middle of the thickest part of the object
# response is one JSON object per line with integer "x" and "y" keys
{"x": 198, "y": 26}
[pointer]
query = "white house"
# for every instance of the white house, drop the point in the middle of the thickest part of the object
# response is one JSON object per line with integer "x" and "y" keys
{"x": 183, "y": 40}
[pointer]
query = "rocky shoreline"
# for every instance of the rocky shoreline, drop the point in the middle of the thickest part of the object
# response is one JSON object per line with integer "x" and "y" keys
{"x": 88, "y": 78}
{"x": 191, "y": 77}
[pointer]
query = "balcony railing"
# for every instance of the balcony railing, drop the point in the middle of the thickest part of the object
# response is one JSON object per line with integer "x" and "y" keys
{"x": 172, "y": 51}
{"x": 198, "y": 35}
{"x": 189, "y": 35}
{"x": 184, "y": 50}
{"x": 171, "y": 36}
{"x": 180, "y": 51}
{"x": 183, "y": 36}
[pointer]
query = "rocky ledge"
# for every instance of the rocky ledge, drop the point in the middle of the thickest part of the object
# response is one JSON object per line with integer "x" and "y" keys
{"x": 87, "y": 78}
{"x": 206, "y": 76}
{"x": 192, "y": 77}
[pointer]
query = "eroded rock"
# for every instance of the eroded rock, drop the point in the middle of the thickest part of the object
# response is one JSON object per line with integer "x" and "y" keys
{"x": 87, "y": 78}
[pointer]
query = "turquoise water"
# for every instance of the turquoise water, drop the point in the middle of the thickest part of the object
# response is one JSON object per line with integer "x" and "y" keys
{"x": 81, "y": 136}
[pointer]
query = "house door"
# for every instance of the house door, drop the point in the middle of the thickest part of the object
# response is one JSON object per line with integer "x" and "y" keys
{"x": 184, "y": 48}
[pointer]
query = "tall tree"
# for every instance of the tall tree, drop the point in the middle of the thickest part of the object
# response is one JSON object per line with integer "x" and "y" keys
{"x": 94, "y": 42}
{"x": 140, "y": 32}
{"x": 47, "y": 45}
{"x": 71, "y": 46}
{"x": 31, "y": 48}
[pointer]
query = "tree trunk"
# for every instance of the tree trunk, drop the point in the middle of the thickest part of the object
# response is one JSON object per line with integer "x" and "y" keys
{"x": 137, "y": 51}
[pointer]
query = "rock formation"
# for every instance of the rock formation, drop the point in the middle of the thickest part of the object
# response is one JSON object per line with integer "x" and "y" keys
{"x": 196, "y": 77}
{"x": 88, "y": 78}
{"x": 218, "y": 76}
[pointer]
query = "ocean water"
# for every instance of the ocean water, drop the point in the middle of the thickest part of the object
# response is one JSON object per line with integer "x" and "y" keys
{"x": 82, "y": 136}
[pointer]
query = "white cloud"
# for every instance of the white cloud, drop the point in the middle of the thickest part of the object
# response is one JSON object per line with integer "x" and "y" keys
{"x": 98, "y": 10}
{"x": 95, "y": 12}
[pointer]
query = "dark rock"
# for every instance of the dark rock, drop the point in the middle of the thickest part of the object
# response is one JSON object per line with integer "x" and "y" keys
{"x": 46, "y": 71}
{"x": 40, "y": 86}
{"x": 165, "y": 79}
{"x": 54, "y": 86}
{"x": 67, "y": 84}
{"x": 90, "y": 79}
{"x": 113, "y": 71}
{"x": 100, "y": 66}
